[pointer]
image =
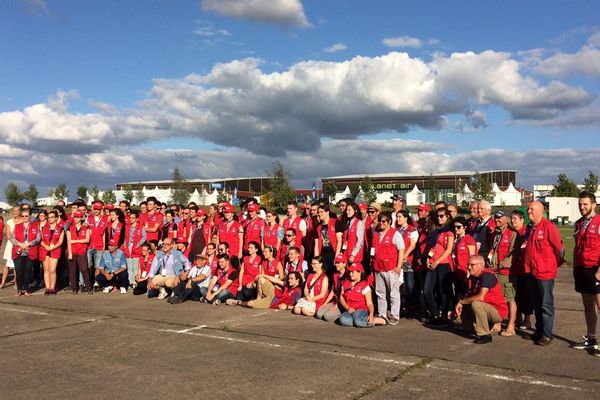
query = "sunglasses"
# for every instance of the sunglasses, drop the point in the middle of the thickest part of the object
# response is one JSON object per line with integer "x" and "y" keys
{"x": 458, "y": 227}
{"x": 442, "y": 216}
{"x": 372, "y": 211}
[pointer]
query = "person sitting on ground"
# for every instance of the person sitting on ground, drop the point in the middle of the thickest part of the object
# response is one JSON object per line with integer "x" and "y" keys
{"x": 292, "y": 292}
{"x": 223, "y": 285}
{"x": 331, "y": 310}
{"x": 145, "y": 265}
{"x": 315, "y": 291}
{"x": 198, "y": 276}
{"x": 356, "y": 300}
{"x": 295, "y": 262}
{"x": 484, "y": 302}
{"x": 171, "y": 265}
{"x": 250, "y": 268}
{"x": 112, "y": 271}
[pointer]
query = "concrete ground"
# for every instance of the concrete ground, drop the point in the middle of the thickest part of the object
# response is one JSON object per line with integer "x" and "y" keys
{"x": 123, "y": 346}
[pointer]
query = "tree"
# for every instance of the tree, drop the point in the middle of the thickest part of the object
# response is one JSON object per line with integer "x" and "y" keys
{"x": 354, "y": 191}
{"x": 139, "y": 194}
{"x": 369, "y": 195}
{"x": 82, "y": 192}
{"x": 564, "y": 187}
{"x": 95, "y": 193}
{"x": 434, "y": 194}
{"x": 179, "y": 193}
{"x": 330, "y": 190}
{"x": 280, "y": 188}
{"x": 482, "y": 188}
{"x": 108, "y": 196}
{"x": 12, "y": 194}
{"x": 128, "y": 193}
{"x": 31, "y": 194}
{"x": 222, "y": 197}
{"x": 61, "y": 192}
{"x": 590, "y": 184}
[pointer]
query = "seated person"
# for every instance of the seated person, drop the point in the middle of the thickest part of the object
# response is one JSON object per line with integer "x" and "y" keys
{"x": 484, "y": 302}
{"x": 292, "y": 292}
{"x": 331, "y": 310}
{"x": 112, "y": 271}
{"x": 223, "y": 285}
{"x": 357, "y": 300}
{"x": 315, "y": 290}
{"x": 145, "y": 264}
{"x": 250, "y": 268}
{"x": 168, "y": 268}
{"x": 198, "y": 276}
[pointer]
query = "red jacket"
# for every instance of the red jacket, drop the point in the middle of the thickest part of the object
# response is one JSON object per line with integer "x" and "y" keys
{"x": 587, "y": 243}
{"x": 542, "y": 251}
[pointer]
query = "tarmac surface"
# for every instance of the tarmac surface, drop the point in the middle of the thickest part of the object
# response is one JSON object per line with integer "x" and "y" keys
{"x": 117, "y": 346}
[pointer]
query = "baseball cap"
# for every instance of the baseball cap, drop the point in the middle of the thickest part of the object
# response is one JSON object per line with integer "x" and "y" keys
{"x": 97, "y": 205}
{"x": 253, "y": 207}
{"x": 78, "y": 214}
{"x": 341, "y": 258}
{"x": 356, "y": 267}
{"x": 375, "y": 206}
{"x": 423, "y": 207}
{"x": 201, "y": 211}
{"x": 499, "y": 214}
{"x": 397, "y": 197}
{"x": 113, "y": 242}
{"x": 363, "y": 206}
{"x": 228, "y": 208}
{"x": 110, "y": 206}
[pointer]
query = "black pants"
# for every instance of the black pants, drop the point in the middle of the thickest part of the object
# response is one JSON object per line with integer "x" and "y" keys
{"x": 23, "y": 271}
{"x": 246, "y": 294}
{"x": 79, "y": 263}
{"x": 141, "y": 287}
{"x": 192, "y": 293}
{"x": 120, "y": 280}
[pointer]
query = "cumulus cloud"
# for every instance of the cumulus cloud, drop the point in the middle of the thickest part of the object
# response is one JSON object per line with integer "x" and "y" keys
{"x": 279, "y": 12}
{"x": 335, "y": 48}
{"x": 402, "y": 41}
{"x": 586, "y": 61}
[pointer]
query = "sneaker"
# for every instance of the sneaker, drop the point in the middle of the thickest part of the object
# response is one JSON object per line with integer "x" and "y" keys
{"x": 596, "y": 353}
{"x": 123, "y": 290}
{"x": 393, "y": 321}
{"x": 107, "y": 289}
{"x": 586, "y": 344}
{"x": 385, "y": 318}
{"x": 203, "y": 300}
{"x": 232, "y": 302}
{"x": 163, "y": 294}
{"x": 217, "y": 302}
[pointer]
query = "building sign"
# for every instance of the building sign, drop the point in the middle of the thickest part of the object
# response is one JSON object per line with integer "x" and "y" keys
{"x": 391, "y": 186}
{"x": 218, "y": 186}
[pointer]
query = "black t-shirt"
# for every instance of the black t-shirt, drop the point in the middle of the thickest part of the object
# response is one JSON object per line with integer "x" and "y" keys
{"x": 339, "y": 228}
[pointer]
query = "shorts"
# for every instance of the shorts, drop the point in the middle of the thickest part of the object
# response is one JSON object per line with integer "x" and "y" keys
{"x": 585, "y": 280}
{"x": 309, "y": 306}
{"x": 508, "y": 289}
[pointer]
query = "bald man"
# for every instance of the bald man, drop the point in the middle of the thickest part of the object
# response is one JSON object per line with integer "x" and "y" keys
{"x": 543, "y": 255}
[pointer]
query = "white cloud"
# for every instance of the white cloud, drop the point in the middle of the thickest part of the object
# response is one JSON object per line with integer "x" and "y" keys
{"x": 335, "y": 48}
{"x": 206, "y": 29}
{"x": 280, "y": 12}
{"x": 402, "y": 41}
{"x": 586, "y": 61}
{"x": 37, "y": 7}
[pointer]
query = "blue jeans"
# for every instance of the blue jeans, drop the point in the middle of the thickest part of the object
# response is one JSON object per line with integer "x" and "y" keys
{"x": 94, "y": 256}
{"x": 358, "y": 318}
{"x": 543, "y": 305}
{"x": 223, "y": 295}
{"x": 438, "y": 283}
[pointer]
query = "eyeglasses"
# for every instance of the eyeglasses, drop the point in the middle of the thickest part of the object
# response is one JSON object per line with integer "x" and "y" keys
{"x": 167, "y": 244}
{"x": 458, "y": 227}
{"x": 289, "y": 235}
{"x": 383, "y": 221}
{"x": 441, "y": 216}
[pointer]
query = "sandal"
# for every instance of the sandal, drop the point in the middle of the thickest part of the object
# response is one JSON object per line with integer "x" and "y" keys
{"x": 496, "y": 328}
{"x": 506, "y": 333}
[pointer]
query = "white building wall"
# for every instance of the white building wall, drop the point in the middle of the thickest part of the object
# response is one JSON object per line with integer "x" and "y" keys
{"x": 563, "y": 207}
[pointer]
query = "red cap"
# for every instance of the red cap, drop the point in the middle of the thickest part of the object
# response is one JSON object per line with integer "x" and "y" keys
{"x": 341, "y": 258}
{"x": 423, "y": 207}
{"x": 228, "y": 208}
{"x": 97, "y": 205}
{"x": 356, "y": 267}
{"x": 363, "y": 206}
{"x": 253, "y": 207}
{"x": 110, "y": 206}
{"x": 201, "y": 211}
{"x": 78, "y": 214}
{"x": 113, "y": 242}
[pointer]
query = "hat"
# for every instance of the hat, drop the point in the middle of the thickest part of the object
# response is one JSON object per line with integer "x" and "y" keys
{"x": 228, "y": 208}
{"x": 200, "y": 256}
{"x": 499, "y": 214}
{"x": 97, "y": 205}
{"x": 397, "y": 197}
{"x": 78, "y": 214}
{"x": 253, "y": 207}
{"x": 113, "y": 242}
{"x": 363, "y": 206}
{"x": 375, "y": 206}
{"x": 110, "y": 206}
{"x": 201, "y": 211}
{"x": 356, "y": 267}
{"x": 341, "y": 258}
{"x": 423, "y": 207}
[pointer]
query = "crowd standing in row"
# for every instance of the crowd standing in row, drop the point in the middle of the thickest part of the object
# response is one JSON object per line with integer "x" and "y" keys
{"x": 363, "y": 267}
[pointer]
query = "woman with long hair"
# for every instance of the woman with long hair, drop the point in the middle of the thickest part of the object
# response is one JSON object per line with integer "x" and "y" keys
{"x": 50, "y": 250}
{"x": 315, "y": 291}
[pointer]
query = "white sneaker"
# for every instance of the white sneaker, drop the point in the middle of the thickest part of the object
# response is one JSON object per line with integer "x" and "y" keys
{"x": 163, "y": 294}
{"x": 107, "y": 289}
{"x": 123, "y": 290}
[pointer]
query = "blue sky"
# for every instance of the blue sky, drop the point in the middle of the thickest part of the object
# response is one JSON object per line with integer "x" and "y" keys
{"x": 104, "y": 92}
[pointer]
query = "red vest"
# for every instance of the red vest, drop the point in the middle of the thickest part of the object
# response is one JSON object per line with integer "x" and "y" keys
{"x": 542, "y": 250}
{"x": 224, "y": 276}
{"x": 151, "y": 220}
{"x": 270, "y": 235}
{"x": 350, "y": 239}
{"x": 78, "y": 248}
{"x": 270, "y": 268}
{"x": 97, "y": 232}
{"x": 230, "y": 236}
{"x": 32, "y": 232}
{"x": 287, "y": 224}
{"x": 315, "y": 285}
{"x": 460, "y": 253}
{"x": 50, "y": 237}
{"x": 406, "y": 237}
{"x": 330, "y": 234}
{"x": 289, "y": 267}
{"x": 253, "y": 231}
{"x": 587, "y": 243}
{"x": 130, "y": 243}
{"x": 354, "y": 296}
{"x": 251, "y": 269}
{"x": 386, "y": 253}
{"x": 440, "y": 247}
{"x": 114, "y": 233}
{"x": 502, "y": 248}
{"x": 338, "y": 282}
{"x": 146, "y": 265}
{"x": 494, "y": 297}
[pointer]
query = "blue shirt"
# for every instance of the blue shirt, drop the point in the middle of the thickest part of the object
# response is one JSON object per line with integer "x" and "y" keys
{"x": 112, "y": 262}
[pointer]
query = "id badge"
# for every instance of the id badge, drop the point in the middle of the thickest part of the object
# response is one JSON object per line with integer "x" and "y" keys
{"x": 144, "y": 274}
{"x": 372, "y": 251}
{"x": 163, "y": 272}
{"x": 344, "y": 246}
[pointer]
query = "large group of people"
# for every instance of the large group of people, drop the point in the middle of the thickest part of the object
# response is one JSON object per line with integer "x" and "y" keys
{"x": 362, "y": 267}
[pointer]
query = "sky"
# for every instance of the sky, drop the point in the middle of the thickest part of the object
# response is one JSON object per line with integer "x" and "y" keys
{"x": 100, "y": 92}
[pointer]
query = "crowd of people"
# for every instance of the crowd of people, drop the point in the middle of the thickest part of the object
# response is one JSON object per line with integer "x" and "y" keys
{"x": 363, "y": 267}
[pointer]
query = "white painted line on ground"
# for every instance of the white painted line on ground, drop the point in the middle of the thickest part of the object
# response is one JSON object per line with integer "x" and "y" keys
{"x": 192, "y": 329}
{"x": 524, "y": 379}
{"x": 246, "y": 316}
{"x": 360, "y": 357}
{"x": 227, "y": 338}
{"x": 24, "y": 311}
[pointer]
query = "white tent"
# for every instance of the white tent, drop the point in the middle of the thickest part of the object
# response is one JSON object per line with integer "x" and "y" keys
{"x": 414, "y": 197}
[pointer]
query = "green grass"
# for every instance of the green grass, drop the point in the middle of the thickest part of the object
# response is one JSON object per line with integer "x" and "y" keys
{"x": 566, "y": 232}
